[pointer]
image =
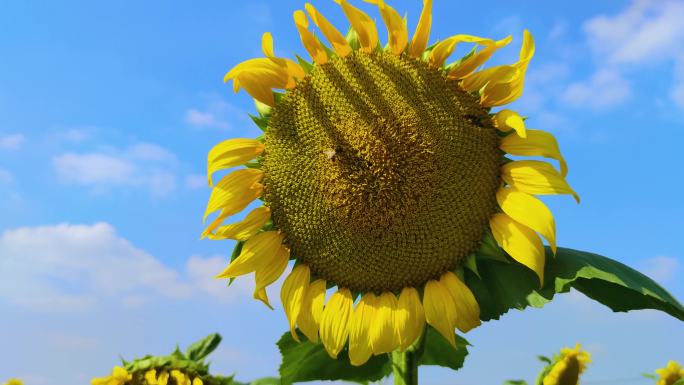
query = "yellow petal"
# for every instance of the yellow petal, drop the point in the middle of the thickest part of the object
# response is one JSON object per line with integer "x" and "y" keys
{"x": 441, "y": 52}
{"x": 151, "y": 377}
{"x": 267, "y": 44}
{"x": 197, "y": 381}
{"x": 521, "y": 242}
{"x": 335, "y": 321}
{"x": 535, "y": 177}
{"x": 384, "y": 336}
{"x": 163, "y": 378}
{"x": 359, "y": 330}
{"x": 476, "y": 81}
{"x": 235, "y": 191}
{"x": 420, "y": 38}
{"x": 311, "y": 44}
{"x": 309, "y": 319}
{"x": 292, "y": 295}
{"x": 467, "y": 308}
{"x": 440, "y": 311}
{"x": 529, "y": 211}
{"x": 181, "y": 378}
{"x": 241, "y": 231}
{"x": 259, "y": 85}
{"x": 231, "y": 153}
{"x": 504, "y": 92}
{"x": 338, "y": 41}
{"x": 270, "y": 272}
{"x": 537, "y": 143}
{"x": 256, "y": 252}
{"x": 396, "y": 27}
{"x": 470, "y": 64}
{"x": 410, "y": 317}
{"x": 506, "y": 120}
{"x": 362, "y": 24}
{"x": 121, "y": 373}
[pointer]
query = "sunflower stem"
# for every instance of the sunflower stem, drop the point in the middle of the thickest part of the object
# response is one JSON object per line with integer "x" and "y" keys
{"x": 405, "y": 365}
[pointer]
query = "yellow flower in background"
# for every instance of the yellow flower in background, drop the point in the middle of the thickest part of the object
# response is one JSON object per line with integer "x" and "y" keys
{"x": 670, "y": 374}
{"x": 14, "y": 381}
{"x": 382, "y": 169}
{"x": 567, "y": 369}
{"x": 119, "y": 376}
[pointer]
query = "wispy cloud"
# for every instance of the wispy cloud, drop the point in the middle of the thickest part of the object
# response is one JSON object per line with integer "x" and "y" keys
{"x": 218, "y": 114}
{"x": 5, "y": 176}
{"x": 606, "y": 88}
{"x": 195, "y": 181}
{"x": 662, "y": 269}
{"x": 645, "y": 33}
{"x": 67, "y": 268}
{"x": 140, "y": 165}
{"x": 11, "y": 142}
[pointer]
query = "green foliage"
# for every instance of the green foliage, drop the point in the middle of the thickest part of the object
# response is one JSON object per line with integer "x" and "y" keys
{"x": 308, "y": 361}
{"x": 515, "y": 382}
{"x": 505, "y": 286}
{"x": 202, "y": 348}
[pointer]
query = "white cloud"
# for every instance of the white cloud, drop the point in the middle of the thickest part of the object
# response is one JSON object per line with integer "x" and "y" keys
{"x": 195, "y": 181}
{"x": 68, "y": 268}
{"x": 11, "y": 142}
{"x": 140, "y": 165}
{"x": 646, "y": 32}
{"x": 662, "y": 269}
{"x": 606, "y": 88}
{"x": 220, "y": 115}
{"x": 6, "y": 177}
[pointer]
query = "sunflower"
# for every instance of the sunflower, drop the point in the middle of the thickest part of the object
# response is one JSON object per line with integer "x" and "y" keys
{"x": 670, "y": 374}
{"x": 567, "y": 367}
{"x": 381, "y": 171}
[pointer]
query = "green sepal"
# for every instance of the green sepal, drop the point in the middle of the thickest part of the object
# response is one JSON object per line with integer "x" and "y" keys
{"x": 236, "y": 253}
{"x": 202, "y": 348}
{"x": 650, "y": 376}
{"x": 515, "y": 382}
{"x": 264, "y": 110}
{"x": 308, "y": 361}
{"x": 450, "y": 66}
{"x": 261, "y": 121}
{"x": 353, "y": 39}
{"x": 506, "y": 286}
{"x": 544, "y": 359}
{"x": 266, "y": 381}
{"x": 471, "y": 264}
{"x": 327, "y": 49}
{"x": 428, "y": 51}
{"x": 490, "y": 249}
{"x": 306, "y": 65}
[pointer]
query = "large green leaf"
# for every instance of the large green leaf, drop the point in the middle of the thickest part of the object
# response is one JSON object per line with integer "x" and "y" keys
{"x": 308, "y": 361}
{"x": 505, "y": 286}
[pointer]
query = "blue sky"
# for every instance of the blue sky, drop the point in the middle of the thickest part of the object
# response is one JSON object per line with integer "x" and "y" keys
{"x": 108, "y": 109}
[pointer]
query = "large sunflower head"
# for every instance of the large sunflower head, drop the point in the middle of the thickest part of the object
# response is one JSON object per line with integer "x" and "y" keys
{"x": 381, "y": 170}
{"x": 567, "y": 367}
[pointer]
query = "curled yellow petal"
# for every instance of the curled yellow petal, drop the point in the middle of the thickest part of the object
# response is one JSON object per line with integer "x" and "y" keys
{"x": 396, "y": 27}
{"x": 292, "y": 295}
{"x": 476, "y": 81}
{"x": 270, "y": 272}
{"x": 235, "y": 191}
{"x": 336, "y": 39}
{"x": 362, "y": 24}
{"x": 231, "y": 153}
{"x": 259, "y": 76}
{"x": 520, "y": 242}
{"x": 529, "y": 211}
{"x": 467, "y": 308}
{"x": 410, "y": 317}
{"x": 242, "y": 230}
{"x": 163, "y": 378}
{"x": 335, "y": 321}
{"x": 504, "y": 92}
{"x": 441, "y": 52}
{"x": 311, "y": 44}
{"x": 506, "y": 120}
{"x": 536, "y": 143}
{"x": 384, "y": 336}
{"x": 536, "y": 177}
{"x": 267, "y": 44}
{"x": 360, "y": 325}
{"x": 180, "y": 377}
{"x": 420, "y": 38}
{"x": 467, "y": 66}
{"x": 309, "y": 319}
{"x": 440, "y": 311}
{"x": 256, "y": 252}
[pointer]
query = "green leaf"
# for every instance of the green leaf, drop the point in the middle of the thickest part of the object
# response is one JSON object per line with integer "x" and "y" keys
{"x": 203, "y": 347}
{"x": 437, "y": 350}
{"x": 308, "y": 361}
{"x": 490, "y": 249}
{"x": 679, "y": 382}
{"x": 649, "y": 375}
{"x": 506, "y": 286}
{"x": 544, "y": 359}
{"x": 515, "y": 382}
{"x": 266, "y": 381}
